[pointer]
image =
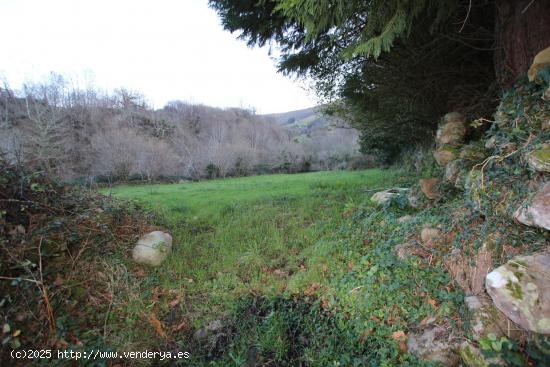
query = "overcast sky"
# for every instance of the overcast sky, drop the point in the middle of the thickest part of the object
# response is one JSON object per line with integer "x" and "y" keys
{"x": 166, "y": 49}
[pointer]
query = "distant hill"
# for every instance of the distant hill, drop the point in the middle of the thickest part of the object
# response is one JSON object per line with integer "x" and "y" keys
{"x": 302, "y": 120}
{"x": 310, "y": 127}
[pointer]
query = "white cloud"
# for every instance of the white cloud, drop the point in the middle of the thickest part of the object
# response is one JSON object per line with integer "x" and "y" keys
{"x": 167, "y": 49}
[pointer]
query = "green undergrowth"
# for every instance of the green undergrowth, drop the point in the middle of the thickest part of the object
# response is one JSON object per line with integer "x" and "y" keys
{"x": 355, "y": 295}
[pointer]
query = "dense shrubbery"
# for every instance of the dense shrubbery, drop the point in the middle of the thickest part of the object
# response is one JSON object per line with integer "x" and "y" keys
{"x": 55, "y": 275}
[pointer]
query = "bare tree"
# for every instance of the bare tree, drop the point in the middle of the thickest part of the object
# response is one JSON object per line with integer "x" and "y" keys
{"x": 85, "y": 133}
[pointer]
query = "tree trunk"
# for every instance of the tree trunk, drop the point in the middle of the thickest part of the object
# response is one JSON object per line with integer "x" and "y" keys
{"x": 522, "y": 29}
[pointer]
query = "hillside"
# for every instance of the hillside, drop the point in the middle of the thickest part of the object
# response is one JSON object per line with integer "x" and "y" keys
{"x": 304, "y": 120}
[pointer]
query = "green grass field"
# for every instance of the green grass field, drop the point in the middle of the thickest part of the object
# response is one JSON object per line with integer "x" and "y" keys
{"x": 242, "y": 235}
{"x": 284, "y": 237}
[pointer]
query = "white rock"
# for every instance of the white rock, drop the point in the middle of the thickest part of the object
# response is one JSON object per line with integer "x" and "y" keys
{"x": 152, "y": 248}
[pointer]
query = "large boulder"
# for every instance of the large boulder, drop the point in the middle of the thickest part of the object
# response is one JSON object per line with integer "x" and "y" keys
{"x": 537, "y": 212}
{"x": 434, "y": 345}
{"x": 521, "y": 290}
{"x": 539, "y": 159}
{"x": 541, "y": 60}
{"x": 452, "y": 129}
{"x": 152, "y": 248}
{"x": 429, "y": 188}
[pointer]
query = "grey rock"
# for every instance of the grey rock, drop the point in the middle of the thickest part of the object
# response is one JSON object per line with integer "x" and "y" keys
{"x": 382, "y": 197}
{"x": 212, "y": 328}
{"x": 537, "y": 212}
{"x": 521, "y": 290}
{"x": 452, "y": 170}
{"x": 491, "y": 142}
{"x": 485, "y": 317}
{"x": 434, "y": 345}
{"x": 413, "y": 200}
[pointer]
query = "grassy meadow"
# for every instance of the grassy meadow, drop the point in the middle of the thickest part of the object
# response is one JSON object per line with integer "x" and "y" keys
{"x": 285, "y": 246}
{"x": 247, "y": 235}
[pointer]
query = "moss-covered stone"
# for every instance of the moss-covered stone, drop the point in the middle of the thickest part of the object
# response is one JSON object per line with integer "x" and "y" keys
{"x": 452, "y": 129}
{"x": 539, "y": 159}
{"x": 445, "y": 154}
{"x": 473, "y": 153}
{"x": 541, "y": 61}
{"x": 472, "y": 357}
{"x": 485, "y": 318}
{"x": 472, "y": 187}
